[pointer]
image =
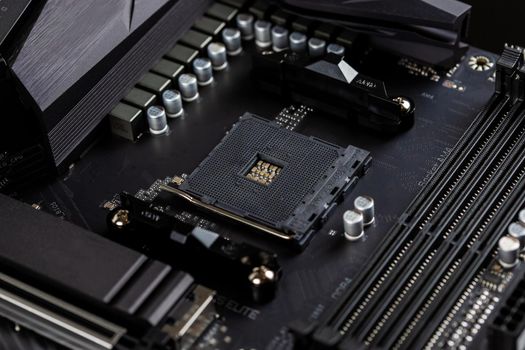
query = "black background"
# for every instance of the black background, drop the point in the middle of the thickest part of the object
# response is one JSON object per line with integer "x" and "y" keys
{"x": 494, "y": 23}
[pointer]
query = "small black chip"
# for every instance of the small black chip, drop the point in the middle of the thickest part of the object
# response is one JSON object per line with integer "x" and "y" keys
{"x": 276, "y": 177}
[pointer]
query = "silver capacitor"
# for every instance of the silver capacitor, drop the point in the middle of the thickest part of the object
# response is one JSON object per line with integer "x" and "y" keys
{"x": 188, "y": 87}
{"x": 231, "y": 37}
{"x": 508, "y": 251}
{"x": 263, "y": 36}
{"x": 203, "y": 71}
{"x": 157, "y": 122}
{"x": 218, "y": 56}
{"x": 245, "y": 25}
{"x": 335, "y": 49}
{"x": 279, "y": 38}
{"x": 298, "y": 42}
{"x": 353, "y": 225}
{"x": 521, "y": 216}
{"x": 517, "y": 230}
{"x": 316, "y": 47}
{"x": 172, "y": 103}
{"x": 365, "y": 205}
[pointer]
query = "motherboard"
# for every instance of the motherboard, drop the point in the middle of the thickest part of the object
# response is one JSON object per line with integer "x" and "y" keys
{"x": 299, "y": 187}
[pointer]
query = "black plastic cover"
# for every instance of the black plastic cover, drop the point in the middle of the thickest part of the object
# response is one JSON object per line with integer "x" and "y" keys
{"x": 445, "y": 14}
{"x": 86, "y": 269}
{"x": 429, "y": 31}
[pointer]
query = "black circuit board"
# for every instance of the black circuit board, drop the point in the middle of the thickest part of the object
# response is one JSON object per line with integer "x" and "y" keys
{"x": 446, "y": 103}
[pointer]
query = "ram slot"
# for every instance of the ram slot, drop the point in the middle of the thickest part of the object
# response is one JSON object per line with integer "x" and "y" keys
{"x": 399, "y": 282}
{"x": 499, "y": 209}
{"x": 480, "y": 135}
{"x": 478, "y": 181}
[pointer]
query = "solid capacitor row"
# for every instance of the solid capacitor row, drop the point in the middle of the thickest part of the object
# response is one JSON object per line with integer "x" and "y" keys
{"x": 265, "y": 35}
{"x": 279, "y": 38}
{"x": 189, "y": 83}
